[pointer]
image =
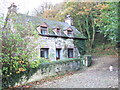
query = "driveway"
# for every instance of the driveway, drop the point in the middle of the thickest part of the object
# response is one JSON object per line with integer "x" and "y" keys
{"x": 95, "y": 76}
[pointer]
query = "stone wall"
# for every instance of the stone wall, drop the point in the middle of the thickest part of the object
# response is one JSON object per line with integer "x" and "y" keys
{"x": 54, "y": 68}
{"x": 51, "y": 69}
{"x": 53, "y": 43}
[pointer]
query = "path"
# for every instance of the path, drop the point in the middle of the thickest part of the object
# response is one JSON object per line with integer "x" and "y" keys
{"x": 96, "y": 76}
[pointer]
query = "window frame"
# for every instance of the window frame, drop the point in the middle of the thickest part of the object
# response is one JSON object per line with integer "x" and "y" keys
{"x": 59, "y": 53}
{"x": 43, "y": 29}
{"x": 70, "y": 50}
{"x": 44, "y": 52}
{"x": 58, "y": 31}
{"x": 69, "y": 33}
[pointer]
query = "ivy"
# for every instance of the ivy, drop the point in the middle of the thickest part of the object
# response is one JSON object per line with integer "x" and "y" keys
{"x": 80, "y": 44}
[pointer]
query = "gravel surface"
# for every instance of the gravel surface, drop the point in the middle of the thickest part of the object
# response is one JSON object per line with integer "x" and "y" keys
{"x": 96, "y": 76}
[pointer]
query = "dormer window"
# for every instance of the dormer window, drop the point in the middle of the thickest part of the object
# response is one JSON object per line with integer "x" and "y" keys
{"x": 58, "y": 31}
{"x": 43, "y": 30}
{"x": 69, "y": 32}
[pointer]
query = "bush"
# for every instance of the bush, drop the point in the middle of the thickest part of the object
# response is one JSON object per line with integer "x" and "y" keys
{"x": 38, "y": 61}
{"x": 15, "y": 54}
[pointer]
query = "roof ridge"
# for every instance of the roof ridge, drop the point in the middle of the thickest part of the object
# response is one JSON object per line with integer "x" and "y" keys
{"x": 40, "y": 17}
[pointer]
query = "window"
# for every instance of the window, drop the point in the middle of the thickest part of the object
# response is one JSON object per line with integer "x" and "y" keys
{"x": 44, "y": 52}
{"x": 58, "y": 31}
{"x": 70, "y": 53}
{"x": 44, "y": 30}
{"x": 58, "y": 53}
{"x": 69, "y": 33}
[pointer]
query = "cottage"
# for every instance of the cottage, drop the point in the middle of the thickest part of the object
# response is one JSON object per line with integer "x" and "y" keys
{"x": 56, "y": 39}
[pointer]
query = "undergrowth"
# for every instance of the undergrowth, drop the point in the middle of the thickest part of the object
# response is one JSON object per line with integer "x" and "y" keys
{"x": 105, "y": 50}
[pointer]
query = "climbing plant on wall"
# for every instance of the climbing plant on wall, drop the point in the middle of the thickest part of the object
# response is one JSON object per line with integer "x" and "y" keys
{"x": 80, "y": 44}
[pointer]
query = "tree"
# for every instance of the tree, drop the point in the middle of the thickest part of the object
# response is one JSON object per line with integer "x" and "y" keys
{"x": 47, "y": 10}
{"x": 89, "y": 18}
{"x": 108, "y": 20}
{"x": 15, "y": 53}
{"x": 84, "y": 16}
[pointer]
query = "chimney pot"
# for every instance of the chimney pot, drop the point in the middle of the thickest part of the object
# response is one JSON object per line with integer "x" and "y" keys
{"x": 69, "y": 20}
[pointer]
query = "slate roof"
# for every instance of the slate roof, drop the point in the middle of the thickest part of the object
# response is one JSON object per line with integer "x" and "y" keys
{"x": 22, "y": 18}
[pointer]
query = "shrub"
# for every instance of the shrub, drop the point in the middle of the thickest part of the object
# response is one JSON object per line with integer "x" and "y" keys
{"x": 16, "y": 53}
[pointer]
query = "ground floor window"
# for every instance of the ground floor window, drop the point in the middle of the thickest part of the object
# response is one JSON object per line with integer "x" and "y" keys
{"x": 58, "y": 53}
{"x": 70, "y": 53}
{"x": 44, "y": 52}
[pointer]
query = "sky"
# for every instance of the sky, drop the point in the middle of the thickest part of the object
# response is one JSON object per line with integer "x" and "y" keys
{"x": 28, "y": 5}
{"x": 24, "y": 5}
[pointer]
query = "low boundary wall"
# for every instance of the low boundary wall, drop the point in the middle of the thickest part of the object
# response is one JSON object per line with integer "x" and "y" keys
{"x": 51, "y": 69}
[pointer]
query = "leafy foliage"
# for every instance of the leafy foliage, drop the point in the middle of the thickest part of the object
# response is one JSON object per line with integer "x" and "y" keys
{"x": 83, "y": 19}
{"x": 80, "y": 44}
{"x": 17, "y": 50}
{"x": 108, "y": 20}
{"x": 15, "y": 58}
{"x": 90, "y": 18}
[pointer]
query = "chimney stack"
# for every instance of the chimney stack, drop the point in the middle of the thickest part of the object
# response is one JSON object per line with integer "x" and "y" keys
{"x": 69, "y": 20}
{"x": 12, "y": 8}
